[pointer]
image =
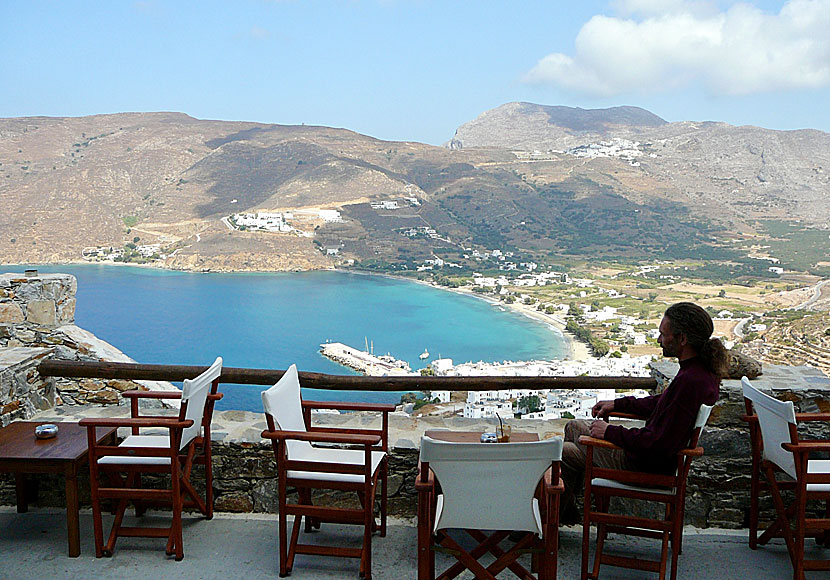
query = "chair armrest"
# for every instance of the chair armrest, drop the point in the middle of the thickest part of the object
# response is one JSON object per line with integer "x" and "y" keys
{"x": 427, "y": 485}
{"x": 587, "y": 440}
{"x": 804, "y": 417}
{"x": 326, "y": 437}
{"x": 344, "y": 406}
{"x": 620, "y": 415}
{"x": 348, "y": 430}
{"x": 172, "y": 423}
{"x": 549, "y": 487}
{"x": 136, "y": 394}
{"x": 696, "y": 452}
{"x": 799, "y": 417}
{"x": 806, "y": 446}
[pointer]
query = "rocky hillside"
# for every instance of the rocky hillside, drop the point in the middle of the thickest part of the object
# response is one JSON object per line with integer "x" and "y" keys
{"x": 738, "y": 171}
{"x": 536, "y": 180}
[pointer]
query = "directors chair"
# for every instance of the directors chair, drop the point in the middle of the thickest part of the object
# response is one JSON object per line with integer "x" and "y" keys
{"x": 602, "y": 484}
{"x": 171, "y": 454}
{"x": 305, "y": 467}
{"x": 785, "y": 456}
{"x": 489, "y": 491}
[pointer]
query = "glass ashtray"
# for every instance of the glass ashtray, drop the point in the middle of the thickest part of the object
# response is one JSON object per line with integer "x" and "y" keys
{"x": 489, "y": 438}
{"x": 46, "y": 431}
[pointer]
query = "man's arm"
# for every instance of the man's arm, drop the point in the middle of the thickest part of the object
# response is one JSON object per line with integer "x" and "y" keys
{"x": 602, "y": 408}
{"x": 642, "y": 407}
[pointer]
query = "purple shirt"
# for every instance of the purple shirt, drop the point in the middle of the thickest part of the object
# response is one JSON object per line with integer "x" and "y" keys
{"x": 670, "y": 417}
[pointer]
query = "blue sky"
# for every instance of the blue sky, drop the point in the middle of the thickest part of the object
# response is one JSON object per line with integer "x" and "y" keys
{"x": 417, "y": 69}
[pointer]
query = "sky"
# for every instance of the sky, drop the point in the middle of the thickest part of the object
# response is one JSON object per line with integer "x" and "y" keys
{"x": 415, "y": 70}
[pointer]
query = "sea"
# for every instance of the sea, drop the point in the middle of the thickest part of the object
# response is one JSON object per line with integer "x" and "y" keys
{"x": 271, "y": 320}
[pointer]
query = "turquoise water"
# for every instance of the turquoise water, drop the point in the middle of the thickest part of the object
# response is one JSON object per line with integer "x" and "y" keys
{"x": 270, "y": 320}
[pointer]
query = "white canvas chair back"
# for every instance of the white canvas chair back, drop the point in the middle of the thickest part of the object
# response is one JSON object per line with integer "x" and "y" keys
{"x": 195, "y": 392}
{"x": 774, "y": 418}
{"x": 702, "y": 416}
{"x": 284, "y": 403}
{"x": 489, "y": 486}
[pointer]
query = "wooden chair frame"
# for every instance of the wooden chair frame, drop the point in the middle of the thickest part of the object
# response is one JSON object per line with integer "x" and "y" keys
{"x": 669, "y": 490}
{"x": 544, "y": 552}
{"x": 202, "y": 442}
{"x": 370, "y": 440}
{"x": 124, "y": 479}
{"x": 792, "y": 522}
{"x": 760, "y": 485}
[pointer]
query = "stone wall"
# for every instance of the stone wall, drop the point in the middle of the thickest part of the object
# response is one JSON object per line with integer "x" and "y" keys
{"x": 23, "y": 392}
{"x": 38, "y": 311}
{"x": 36, "y": 301}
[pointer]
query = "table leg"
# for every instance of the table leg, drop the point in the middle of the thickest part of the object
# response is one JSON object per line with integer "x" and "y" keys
{"x": 72, "y": 519}
{"x": 20, "y": 491}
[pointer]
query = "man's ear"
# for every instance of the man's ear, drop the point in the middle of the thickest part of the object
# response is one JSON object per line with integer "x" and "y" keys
{"x": 682, "y": 340}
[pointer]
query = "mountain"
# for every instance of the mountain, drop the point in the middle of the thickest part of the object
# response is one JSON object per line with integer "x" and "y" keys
{"x": 736, "y": 171}
{"x": 528, "y": 126}
{"x": 540, "y": 181}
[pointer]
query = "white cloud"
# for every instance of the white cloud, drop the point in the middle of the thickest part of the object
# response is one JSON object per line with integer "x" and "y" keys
{"x": 741, "y": 50}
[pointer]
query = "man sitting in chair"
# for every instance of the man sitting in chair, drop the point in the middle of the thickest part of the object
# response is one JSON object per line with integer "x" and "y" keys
{"x": 685, "y": 333}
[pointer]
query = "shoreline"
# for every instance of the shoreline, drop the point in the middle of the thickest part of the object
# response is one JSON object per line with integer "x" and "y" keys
{"x": 576, "y": 349}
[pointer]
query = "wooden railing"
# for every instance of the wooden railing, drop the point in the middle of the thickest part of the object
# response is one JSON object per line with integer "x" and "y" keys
{"x": 245, "y": 376}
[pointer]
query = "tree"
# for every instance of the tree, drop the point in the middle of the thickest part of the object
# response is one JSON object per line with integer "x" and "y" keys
{"x": 530, "y": 404}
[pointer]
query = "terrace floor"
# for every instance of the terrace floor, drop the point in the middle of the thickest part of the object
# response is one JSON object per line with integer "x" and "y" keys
{"x": 34, "y": 545}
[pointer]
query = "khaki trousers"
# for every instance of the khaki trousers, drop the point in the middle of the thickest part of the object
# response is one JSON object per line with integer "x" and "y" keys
{"x": 574, "y": 456}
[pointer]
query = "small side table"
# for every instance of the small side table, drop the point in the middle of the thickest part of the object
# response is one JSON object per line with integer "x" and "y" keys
{"x": 21, "y": 452}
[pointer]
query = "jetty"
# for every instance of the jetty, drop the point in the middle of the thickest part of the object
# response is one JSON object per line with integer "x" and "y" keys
{"x": 364, "y": 362}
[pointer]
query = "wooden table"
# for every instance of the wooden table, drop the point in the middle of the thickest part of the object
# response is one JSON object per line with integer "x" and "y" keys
{"x": 21, "y": 452}
{"x": 475, "y": 436}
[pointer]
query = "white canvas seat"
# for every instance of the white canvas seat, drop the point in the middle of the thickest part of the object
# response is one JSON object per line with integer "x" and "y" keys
{"x": 171, "y": 454}
{"x": 304, "y": 467}
{"x": 494, "y": 487}
{"x": 602, "y": 484}
{"x": 325, "y": 455}
{"x": 809, "y": 479}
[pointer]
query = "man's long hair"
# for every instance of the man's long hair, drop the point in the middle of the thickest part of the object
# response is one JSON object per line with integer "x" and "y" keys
{"x": 696, "y": 325}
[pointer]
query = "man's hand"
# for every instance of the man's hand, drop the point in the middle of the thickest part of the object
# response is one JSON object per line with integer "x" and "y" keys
{"x": 598, "y": 429}
{"x": 602, "y": 409}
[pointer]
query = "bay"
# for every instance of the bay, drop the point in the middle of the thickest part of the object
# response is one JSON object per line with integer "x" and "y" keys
{"x": 271, "y": 320}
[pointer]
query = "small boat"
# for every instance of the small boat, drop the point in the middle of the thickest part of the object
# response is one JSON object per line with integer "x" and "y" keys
{"x": 424, "y": 354}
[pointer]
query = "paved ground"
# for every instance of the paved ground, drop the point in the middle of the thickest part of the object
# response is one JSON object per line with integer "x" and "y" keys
{"x": 33, "y": 545}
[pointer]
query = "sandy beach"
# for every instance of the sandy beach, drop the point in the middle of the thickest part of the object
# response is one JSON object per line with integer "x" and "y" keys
{"x": 577, "y": 350}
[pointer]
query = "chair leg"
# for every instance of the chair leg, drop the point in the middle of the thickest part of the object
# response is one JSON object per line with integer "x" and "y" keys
{"x": 176, "y": 527}
{"x": 304, "y": 498}
{"x": 368, "y": 528}
{"x": 109, "y": 548}
{"x": 283, "y": 533}
{"x": 664, "y": 555}
{"x": 383, "y": 493}
{"x": 602, "y": 532}
{"x": 801, "y": 498}
{"x": 138, "y": 505}
{"x": 586, "y": 533}
{"x": 208, "y": 480}
{"x": 425, "y": 552}
{"x": 292, "y": 545}
{"x": 677, "y": 513}
{"x": 754, "y": 492}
